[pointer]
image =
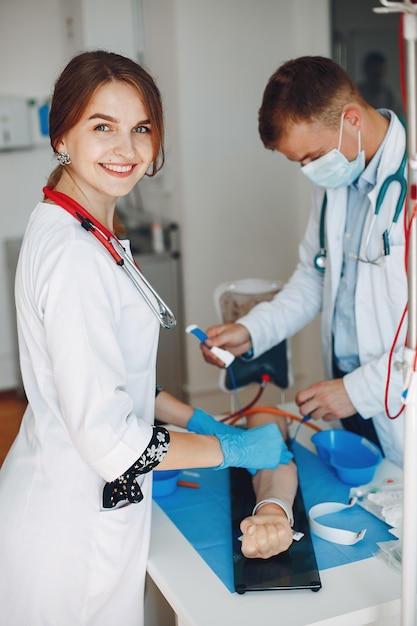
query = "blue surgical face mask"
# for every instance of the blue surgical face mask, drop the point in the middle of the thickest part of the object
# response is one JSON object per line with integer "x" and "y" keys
{"x": 333, "y": 170}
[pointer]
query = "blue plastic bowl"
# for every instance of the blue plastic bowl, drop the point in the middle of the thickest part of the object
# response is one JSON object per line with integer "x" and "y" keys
{"x": 164, "y": 482}
{"x": 353, "y": 457}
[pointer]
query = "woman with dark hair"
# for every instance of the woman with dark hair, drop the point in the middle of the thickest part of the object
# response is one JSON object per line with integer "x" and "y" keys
{"x": 76, "y": 485}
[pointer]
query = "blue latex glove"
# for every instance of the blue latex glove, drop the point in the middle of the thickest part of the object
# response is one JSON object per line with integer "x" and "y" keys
{"x": 204, "y": 424}
{"x": 262, "y": 447}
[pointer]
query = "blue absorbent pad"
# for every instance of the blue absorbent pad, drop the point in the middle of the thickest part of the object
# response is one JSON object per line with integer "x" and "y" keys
{"x": 203, "y": 516}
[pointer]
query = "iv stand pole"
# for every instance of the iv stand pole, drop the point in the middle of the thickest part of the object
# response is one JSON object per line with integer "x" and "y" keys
{"x": 409, "y": 529}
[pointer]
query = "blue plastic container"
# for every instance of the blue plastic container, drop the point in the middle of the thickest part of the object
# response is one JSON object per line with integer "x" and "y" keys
{"x": 164, "y": 482}
{"x": 353, "y": 457}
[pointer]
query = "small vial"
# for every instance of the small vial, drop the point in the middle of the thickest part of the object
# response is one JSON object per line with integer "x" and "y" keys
{"x": 157, "y": 237}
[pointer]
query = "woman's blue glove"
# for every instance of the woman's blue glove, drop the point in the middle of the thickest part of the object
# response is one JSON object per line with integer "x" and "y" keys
{"x": 204, "y": 424}
{"x": 262, "y": 448}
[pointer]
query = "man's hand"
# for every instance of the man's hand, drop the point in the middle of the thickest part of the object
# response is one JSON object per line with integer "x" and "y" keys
{"x": 232, "y": 337}
{"x": 327, "y": 400}
{"x": 266, "y": 534}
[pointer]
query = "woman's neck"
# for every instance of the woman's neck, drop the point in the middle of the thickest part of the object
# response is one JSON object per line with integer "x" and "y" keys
{"x": 100, "y": 207}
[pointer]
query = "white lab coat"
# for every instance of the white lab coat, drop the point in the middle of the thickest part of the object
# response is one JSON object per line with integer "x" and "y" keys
{"x": 88, "y": 347}
{"x": 381, "y": 295}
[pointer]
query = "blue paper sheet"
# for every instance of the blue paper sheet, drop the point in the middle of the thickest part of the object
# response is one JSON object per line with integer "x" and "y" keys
{"x": 203, "y": 516}
{"x": 319, "y": 483}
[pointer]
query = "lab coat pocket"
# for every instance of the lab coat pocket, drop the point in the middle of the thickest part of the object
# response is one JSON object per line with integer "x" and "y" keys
{"x": 139, "y": 479}
{"x": 391, "y": 292}
{"x": 119, "y": 505}
{"x": 122, "y": 538}
{"x": 395, "y": 277}
{"x": 381, "y": 295}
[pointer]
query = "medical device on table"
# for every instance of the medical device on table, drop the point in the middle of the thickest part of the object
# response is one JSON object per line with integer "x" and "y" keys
{"x": 164, "y": 315}
{"x": 397, "y": 177}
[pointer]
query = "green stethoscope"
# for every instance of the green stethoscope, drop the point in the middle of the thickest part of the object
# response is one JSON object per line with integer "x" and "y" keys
{"x": 398, "y": 177}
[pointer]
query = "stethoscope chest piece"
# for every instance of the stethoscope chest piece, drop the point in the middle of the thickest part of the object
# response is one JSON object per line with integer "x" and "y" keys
{"x": 320, "y": 261}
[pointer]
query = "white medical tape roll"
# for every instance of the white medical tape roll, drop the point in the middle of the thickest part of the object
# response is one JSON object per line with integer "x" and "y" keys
{"x": 329, "y": 533}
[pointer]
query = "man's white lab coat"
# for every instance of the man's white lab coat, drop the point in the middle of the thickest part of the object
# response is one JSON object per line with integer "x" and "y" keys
{"x": 381, "y": 295}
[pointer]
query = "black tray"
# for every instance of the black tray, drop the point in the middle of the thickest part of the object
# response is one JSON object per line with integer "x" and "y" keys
{"x": 294, "y": 569}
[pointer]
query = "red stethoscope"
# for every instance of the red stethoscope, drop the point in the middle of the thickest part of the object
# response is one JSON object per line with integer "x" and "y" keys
{"x": 165, "y": 316}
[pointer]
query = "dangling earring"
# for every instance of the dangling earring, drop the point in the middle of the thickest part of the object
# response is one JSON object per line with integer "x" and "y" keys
{"x": 63, "y": 158}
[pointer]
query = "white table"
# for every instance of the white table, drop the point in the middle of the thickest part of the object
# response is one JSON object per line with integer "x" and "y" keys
{"x": 364, "y": 592}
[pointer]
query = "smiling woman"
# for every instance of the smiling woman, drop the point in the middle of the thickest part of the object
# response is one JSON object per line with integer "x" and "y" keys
{"x": 109, "y": 132}
{"x": 110, "y": 152}
{"x": 88, "y": 346}
{"x": 74, "y": 534}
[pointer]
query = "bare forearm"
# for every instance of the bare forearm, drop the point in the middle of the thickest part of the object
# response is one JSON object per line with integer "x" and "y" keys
{"x": 189, "y": 450}
{"x": 170, "y": 410}
{"x": 280, "y": 483}
{"x": 269, "y": 532}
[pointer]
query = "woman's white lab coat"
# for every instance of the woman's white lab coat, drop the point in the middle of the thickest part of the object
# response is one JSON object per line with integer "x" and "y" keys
{"x": 380, "y": 298}
{"x": 88, "y": 347}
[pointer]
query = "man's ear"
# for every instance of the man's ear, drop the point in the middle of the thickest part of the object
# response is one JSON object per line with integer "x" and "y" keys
{"x": 353, "y": 116}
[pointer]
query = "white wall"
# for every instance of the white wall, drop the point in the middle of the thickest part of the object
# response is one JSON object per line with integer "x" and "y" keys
{"x": 29, "y": 47}
{"x": 242, "y": 209}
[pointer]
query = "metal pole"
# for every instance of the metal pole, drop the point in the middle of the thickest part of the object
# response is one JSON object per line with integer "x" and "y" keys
{"x": 409, "y": 529}
{"x": 410, "y": 37}
{"x": 409, "y": 535}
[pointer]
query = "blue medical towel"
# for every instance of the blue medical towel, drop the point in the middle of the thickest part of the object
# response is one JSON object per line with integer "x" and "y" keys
{"x": 203, "y": 516}
{"x": 319, "y": 483}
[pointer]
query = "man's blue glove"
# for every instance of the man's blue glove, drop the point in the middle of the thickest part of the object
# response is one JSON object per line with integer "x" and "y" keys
{"x": 262, "y": 447}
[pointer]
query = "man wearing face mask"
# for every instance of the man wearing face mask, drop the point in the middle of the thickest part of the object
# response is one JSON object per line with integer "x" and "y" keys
{"x": 351, "y": 261}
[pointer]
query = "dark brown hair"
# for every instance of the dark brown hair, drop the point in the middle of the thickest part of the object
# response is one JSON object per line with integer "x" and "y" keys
{"x": 304, "y": 90}
{"x": 83, "y": 75}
